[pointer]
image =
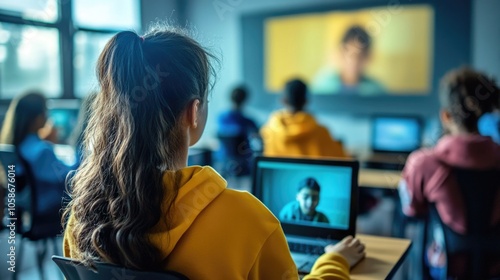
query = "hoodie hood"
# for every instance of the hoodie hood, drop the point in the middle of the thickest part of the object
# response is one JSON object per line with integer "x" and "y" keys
{"x": 291, "y": 127}
{"x": 198, "y": 187}
{"x": 468, "y": 151}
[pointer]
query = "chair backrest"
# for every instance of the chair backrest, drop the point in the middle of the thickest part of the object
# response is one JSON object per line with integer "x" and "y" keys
{"x": 480, "y": 246}
{"x": 22, "y": 183}
{"x": 74, "y": 270}
{"x": 238, "y": 155}
{"x": 31, "y": 224}
{"x": 235, "y": 146}
{"x": 9, "y": 157}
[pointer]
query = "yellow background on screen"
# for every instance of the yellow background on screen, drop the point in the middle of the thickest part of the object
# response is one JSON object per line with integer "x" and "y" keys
{"x": 402, "y": 42}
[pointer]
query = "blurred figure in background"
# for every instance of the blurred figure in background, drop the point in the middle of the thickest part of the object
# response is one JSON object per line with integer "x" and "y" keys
{"x": 294, "y": 132}
{"x": 429, "y": 174}
{"x": 237, "y": 134}
{"x": 26, "y": 128}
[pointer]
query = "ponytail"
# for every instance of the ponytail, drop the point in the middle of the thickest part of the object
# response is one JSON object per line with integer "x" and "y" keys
{"x": 133, "y": 137}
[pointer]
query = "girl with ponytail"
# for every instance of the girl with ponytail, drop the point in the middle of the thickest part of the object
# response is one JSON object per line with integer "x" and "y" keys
{"x": 136, "y": 204}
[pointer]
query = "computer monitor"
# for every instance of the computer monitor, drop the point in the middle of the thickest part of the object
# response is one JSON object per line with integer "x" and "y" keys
{"x": 396, "y": 134}
{"x": 311, "y": 197}
{"x": 64, "y": 115}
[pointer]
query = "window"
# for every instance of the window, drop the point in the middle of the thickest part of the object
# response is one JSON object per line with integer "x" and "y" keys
{"x": 97, "y": 20}
{"x": 39, "y": 50}
{"x": 39, "y": 10}
{"x": 88, "y": 47}
{"x": 110, "y": 14}
{"x": 29, "y": 59}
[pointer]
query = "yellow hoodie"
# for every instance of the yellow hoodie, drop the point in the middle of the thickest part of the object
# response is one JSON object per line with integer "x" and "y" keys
{"x": 219, "y": 233}
{"x": 288, "y": 134}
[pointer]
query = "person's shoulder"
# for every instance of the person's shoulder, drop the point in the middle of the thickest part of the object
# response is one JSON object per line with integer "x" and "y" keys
{"x": 370, "y": 86}
{"x": 225, "y": 116}
{"x": 290, "y": 207}
{"x": 326, "y": 81}
{"x": 322, "y": 131}
{"x": 33, "y": 147}
{"x": 421, "y": 160}
{"x": 247, "y": 205}
{"x": 248, "y": 120}
{"x": 322, "y": 217}
{"x": 274, "y": 118}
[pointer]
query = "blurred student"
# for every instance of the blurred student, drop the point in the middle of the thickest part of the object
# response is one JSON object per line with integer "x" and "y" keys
{"x": 26, "y": 128}
{"x": 294, "y": 132}
{"x": 427, "y": 173}
{"x": 136, "y": 204}
{"x": 235, "y": 132}
{"x": 304, "y": 206}
{"x": 350, "y": 78}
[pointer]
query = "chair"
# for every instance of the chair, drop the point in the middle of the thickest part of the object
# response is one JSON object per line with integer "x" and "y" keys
{"x": 479, "y": 249}
{"x": 238, "y": 155}
{"x": 31, "y": 225}
{"x": 74, "y": 270}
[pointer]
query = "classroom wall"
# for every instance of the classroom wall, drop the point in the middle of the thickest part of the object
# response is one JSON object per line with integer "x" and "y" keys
{"x": 160, "y": 10}
{"x": 486, "y": 36}
{"x": 218, "y": 26}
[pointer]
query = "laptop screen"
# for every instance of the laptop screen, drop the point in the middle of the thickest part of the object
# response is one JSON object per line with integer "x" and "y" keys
{"x": 64, "y": 115}
{"x": 308, "y": 192}
{"x": 396, "y": 134}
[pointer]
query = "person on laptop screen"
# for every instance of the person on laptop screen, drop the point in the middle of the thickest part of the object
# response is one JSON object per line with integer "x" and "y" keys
{"x": 351, "y": 77}
{"x": 304, "y": 207}
{"x": 295, "y": 132}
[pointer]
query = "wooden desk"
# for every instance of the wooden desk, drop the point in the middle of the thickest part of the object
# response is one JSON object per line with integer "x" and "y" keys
{"x": 377, "y": 178}
{"x": 384, "y": 256}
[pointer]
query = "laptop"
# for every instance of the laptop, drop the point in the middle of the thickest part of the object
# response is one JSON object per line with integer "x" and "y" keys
{"x": 314, "y": 199}
{"x": 393, "y": 139}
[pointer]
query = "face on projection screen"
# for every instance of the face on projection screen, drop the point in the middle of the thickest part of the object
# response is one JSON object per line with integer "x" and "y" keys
{"x": 374, "y": 51}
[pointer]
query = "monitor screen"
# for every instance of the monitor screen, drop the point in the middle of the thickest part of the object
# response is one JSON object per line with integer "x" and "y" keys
{"x": 368, "y": 51}
{"x": 393, "y": 134}
{"x": 64, "y": 115}
{"x": 306, "y": 194}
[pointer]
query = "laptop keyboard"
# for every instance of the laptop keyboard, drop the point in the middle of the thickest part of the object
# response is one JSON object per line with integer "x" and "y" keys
{"x": 306, "y": 248}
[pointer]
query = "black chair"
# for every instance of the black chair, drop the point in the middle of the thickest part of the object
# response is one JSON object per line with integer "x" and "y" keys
{"x": 239, "y": 156}
{"x": 40, "y": 228}
{"x": 479, "y": 249}
{"x": 74, "y": 270}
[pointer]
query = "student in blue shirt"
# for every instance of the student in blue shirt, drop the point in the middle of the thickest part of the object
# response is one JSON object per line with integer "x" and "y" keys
{"x": 304, "y": 206}
{"x": 235, "y": 131}
{"x": 25, "y": 128}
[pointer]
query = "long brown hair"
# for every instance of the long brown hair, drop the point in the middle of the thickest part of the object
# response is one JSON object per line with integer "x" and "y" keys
{"x": 132, "y": 139}
{"x": 22, "y": 113}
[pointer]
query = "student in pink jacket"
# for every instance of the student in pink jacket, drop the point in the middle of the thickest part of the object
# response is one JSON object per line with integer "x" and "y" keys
{"x": 465, "y": 96}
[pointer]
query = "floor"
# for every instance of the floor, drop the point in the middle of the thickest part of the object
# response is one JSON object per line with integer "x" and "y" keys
{"x": 27, "y": 269}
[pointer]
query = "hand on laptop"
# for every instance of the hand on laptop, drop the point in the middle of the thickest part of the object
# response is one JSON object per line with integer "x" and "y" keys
{"x": 350, "y": 248}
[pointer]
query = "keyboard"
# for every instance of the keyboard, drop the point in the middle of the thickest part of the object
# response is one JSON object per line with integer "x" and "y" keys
{"x": 306, "y": 248}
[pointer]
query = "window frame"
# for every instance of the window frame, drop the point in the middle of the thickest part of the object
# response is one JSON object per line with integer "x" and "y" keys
{"x": 66, "y": 29}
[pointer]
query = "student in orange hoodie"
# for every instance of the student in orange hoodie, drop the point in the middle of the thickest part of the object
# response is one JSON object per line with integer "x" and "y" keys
{"x": 294, "y": 132}
{"x": 136, "y": 204}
